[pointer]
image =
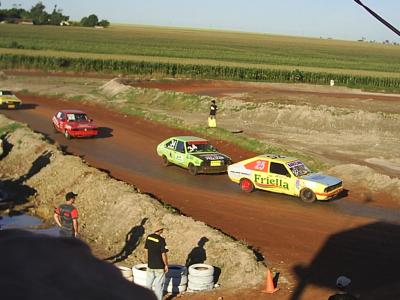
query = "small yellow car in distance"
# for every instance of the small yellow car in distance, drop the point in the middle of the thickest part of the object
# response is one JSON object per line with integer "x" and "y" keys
{"x": 286, "y": 175}
{"x": 8, "y": 99}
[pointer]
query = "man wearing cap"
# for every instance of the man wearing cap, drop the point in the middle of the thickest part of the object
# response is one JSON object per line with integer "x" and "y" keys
{"x": 157, "y": 262}
{"x": 212, "y": 122}
{"x": 342, "y": 283}
{"x": 66, "y": 216}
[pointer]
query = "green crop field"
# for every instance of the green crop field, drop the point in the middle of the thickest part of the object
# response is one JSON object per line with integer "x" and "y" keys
{"x": 244, "y": 54}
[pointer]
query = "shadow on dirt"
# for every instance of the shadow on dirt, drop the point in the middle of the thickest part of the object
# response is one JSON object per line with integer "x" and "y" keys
{"x": 6, "y": 147}
{"x": 198, "y": 254}
{"x": 16, "y": 192}
{"x": 368, "y": 255}
{"x": 27, "y": 106}
{"x": 42, "y": 161}
{"x": 132, "y": 241}
{"x": 104, "y": 132}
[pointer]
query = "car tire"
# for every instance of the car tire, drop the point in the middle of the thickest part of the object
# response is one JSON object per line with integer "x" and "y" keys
{"x": 165, "y": 161}
{"x": 176, "y": 271}
{"x": 200, "y": 270}
{"x": 139, "y": 273}
{"x": 67, "y": 135}
{"x": 193, "y": 170}
{"x": 246, "y": 185}
{"x": 307, "y": 195}
{"x": 201, "y": 279}
{"x": 55, "y": 130}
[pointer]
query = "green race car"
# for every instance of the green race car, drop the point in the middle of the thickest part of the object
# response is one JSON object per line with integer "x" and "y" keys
{"x": 194, "y": 154}
{"x": 8, "y": 99}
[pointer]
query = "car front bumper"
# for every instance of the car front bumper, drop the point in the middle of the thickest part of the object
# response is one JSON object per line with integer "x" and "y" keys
{"x": 329, "y": 195}
{"x": 212, "y": 169}
{"x": 10, "y": 105}
{"x": 82, "y": 133}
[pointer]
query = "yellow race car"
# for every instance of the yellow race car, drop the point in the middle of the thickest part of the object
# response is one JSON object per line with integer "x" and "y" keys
{"x": 8, "y": 99}
{"x": 287, "y": 175}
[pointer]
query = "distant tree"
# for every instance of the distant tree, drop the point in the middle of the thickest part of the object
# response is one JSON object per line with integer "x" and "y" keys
{"x": 39, "y": 15}
{"x": 13, "y": 13}
{"x": 57, "y": 17}
{"x": 104, "y": 23}
{"x": 90, "y": 21}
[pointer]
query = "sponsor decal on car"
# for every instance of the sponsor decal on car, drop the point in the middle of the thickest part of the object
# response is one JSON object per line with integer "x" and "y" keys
{"x": 298, "y": 184}
{"x": 267, "y": 181}
{"x": 215, "y": 163}
{"x": 209, "y": 156}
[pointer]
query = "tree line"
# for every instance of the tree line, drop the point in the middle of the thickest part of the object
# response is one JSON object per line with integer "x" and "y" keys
{"x": 39, "y": 16}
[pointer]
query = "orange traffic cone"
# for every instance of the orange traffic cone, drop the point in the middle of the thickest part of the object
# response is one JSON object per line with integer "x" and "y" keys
{"x": 269, "y": 284}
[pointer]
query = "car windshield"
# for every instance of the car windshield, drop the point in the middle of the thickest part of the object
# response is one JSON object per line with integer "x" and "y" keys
{"x": 298, "y": 168}
{"x": 7, "y": 93}
{"x": 199, "y": 147}
{"x": 77, "y": 117}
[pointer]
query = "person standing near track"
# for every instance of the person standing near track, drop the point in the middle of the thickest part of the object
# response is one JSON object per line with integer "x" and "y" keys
{"x": 212, "y": 120}
{"x": 342, "y": 283}
{"x": 157, "y": 262}
{"x": 66, "y": 217}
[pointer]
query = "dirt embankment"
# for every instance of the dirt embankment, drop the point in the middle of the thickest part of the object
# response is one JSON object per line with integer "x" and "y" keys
{"x": 113, "y": 214}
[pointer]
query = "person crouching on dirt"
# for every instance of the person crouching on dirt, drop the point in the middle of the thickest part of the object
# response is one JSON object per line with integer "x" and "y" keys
{"x": 157, "y": 262}
{"x": 212, "y": 121}
{"x": 342, "y": 283}
{"x": 66, "y": 217}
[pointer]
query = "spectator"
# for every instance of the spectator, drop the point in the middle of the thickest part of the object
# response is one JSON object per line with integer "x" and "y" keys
{"x": 157, "y": 262}
{"x": 212, "y": 121}
{"x": 66, "y": 216}
{"x": 342, "y": 283}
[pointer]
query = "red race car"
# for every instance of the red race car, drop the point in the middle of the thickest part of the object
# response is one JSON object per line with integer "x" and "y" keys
{"x": 74, "y": 123}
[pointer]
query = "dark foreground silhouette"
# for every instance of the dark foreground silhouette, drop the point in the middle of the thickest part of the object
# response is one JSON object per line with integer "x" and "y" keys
{"x": 35, "y": 266}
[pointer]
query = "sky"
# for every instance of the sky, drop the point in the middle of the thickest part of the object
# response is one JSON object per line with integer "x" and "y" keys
{"x": 337, "y": 19}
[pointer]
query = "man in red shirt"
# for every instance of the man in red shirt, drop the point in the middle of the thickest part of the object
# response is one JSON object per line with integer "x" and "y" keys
{"x": 66, "y": 216}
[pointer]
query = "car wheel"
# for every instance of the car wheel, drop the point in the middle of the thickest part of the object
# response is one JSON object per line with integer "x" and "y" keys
{"x": 192, "y": 169}
{"x": 67, "y": 135}
{"x": 246, "y": 185}
{"x": 165, "y": 161}
{"x": 307, "y": 195}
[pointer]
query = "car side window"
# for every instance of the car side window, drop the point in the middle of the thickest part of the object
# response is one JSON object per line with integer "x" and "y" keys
{"x": 59, "y": 115}
{"x": 171, "y": 144}
{"x": 180, "y": 147}
{"x": 278, "y": 168}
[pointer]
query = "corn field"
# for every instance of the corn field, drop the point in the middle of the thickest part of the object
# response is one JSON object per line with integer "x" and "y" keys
{"x": 50, "y": 63}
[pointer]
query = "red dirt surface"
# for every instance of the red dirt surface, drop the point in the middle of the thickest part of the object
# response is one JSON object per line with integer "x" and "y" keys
{"x": 222, "y": 88}
{"x": 310, "y": 245}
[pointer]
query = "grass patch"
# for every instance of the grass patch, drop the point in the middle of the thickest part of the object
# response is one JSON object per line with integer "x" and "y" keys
{"x": 11, "y": 127}
{"x": 77, "y": 98}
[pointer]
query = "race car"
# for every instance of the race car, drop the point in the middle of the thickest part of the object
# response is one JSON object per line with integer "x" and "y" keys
{"x": 281, "y": 174}
{"x": 9, "y": 100}
{"x": 193, "y": 153}
{"x": 74, "y": 123}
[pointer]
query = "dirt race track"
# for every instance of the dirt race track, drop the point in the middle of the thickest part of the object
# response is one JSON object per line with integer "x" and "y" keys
{"x": 310, "y": 245}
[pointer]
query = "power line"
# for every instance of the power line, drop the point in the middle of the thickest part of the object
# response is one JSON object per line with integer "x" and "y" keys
{"x": 382, "y": 20}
